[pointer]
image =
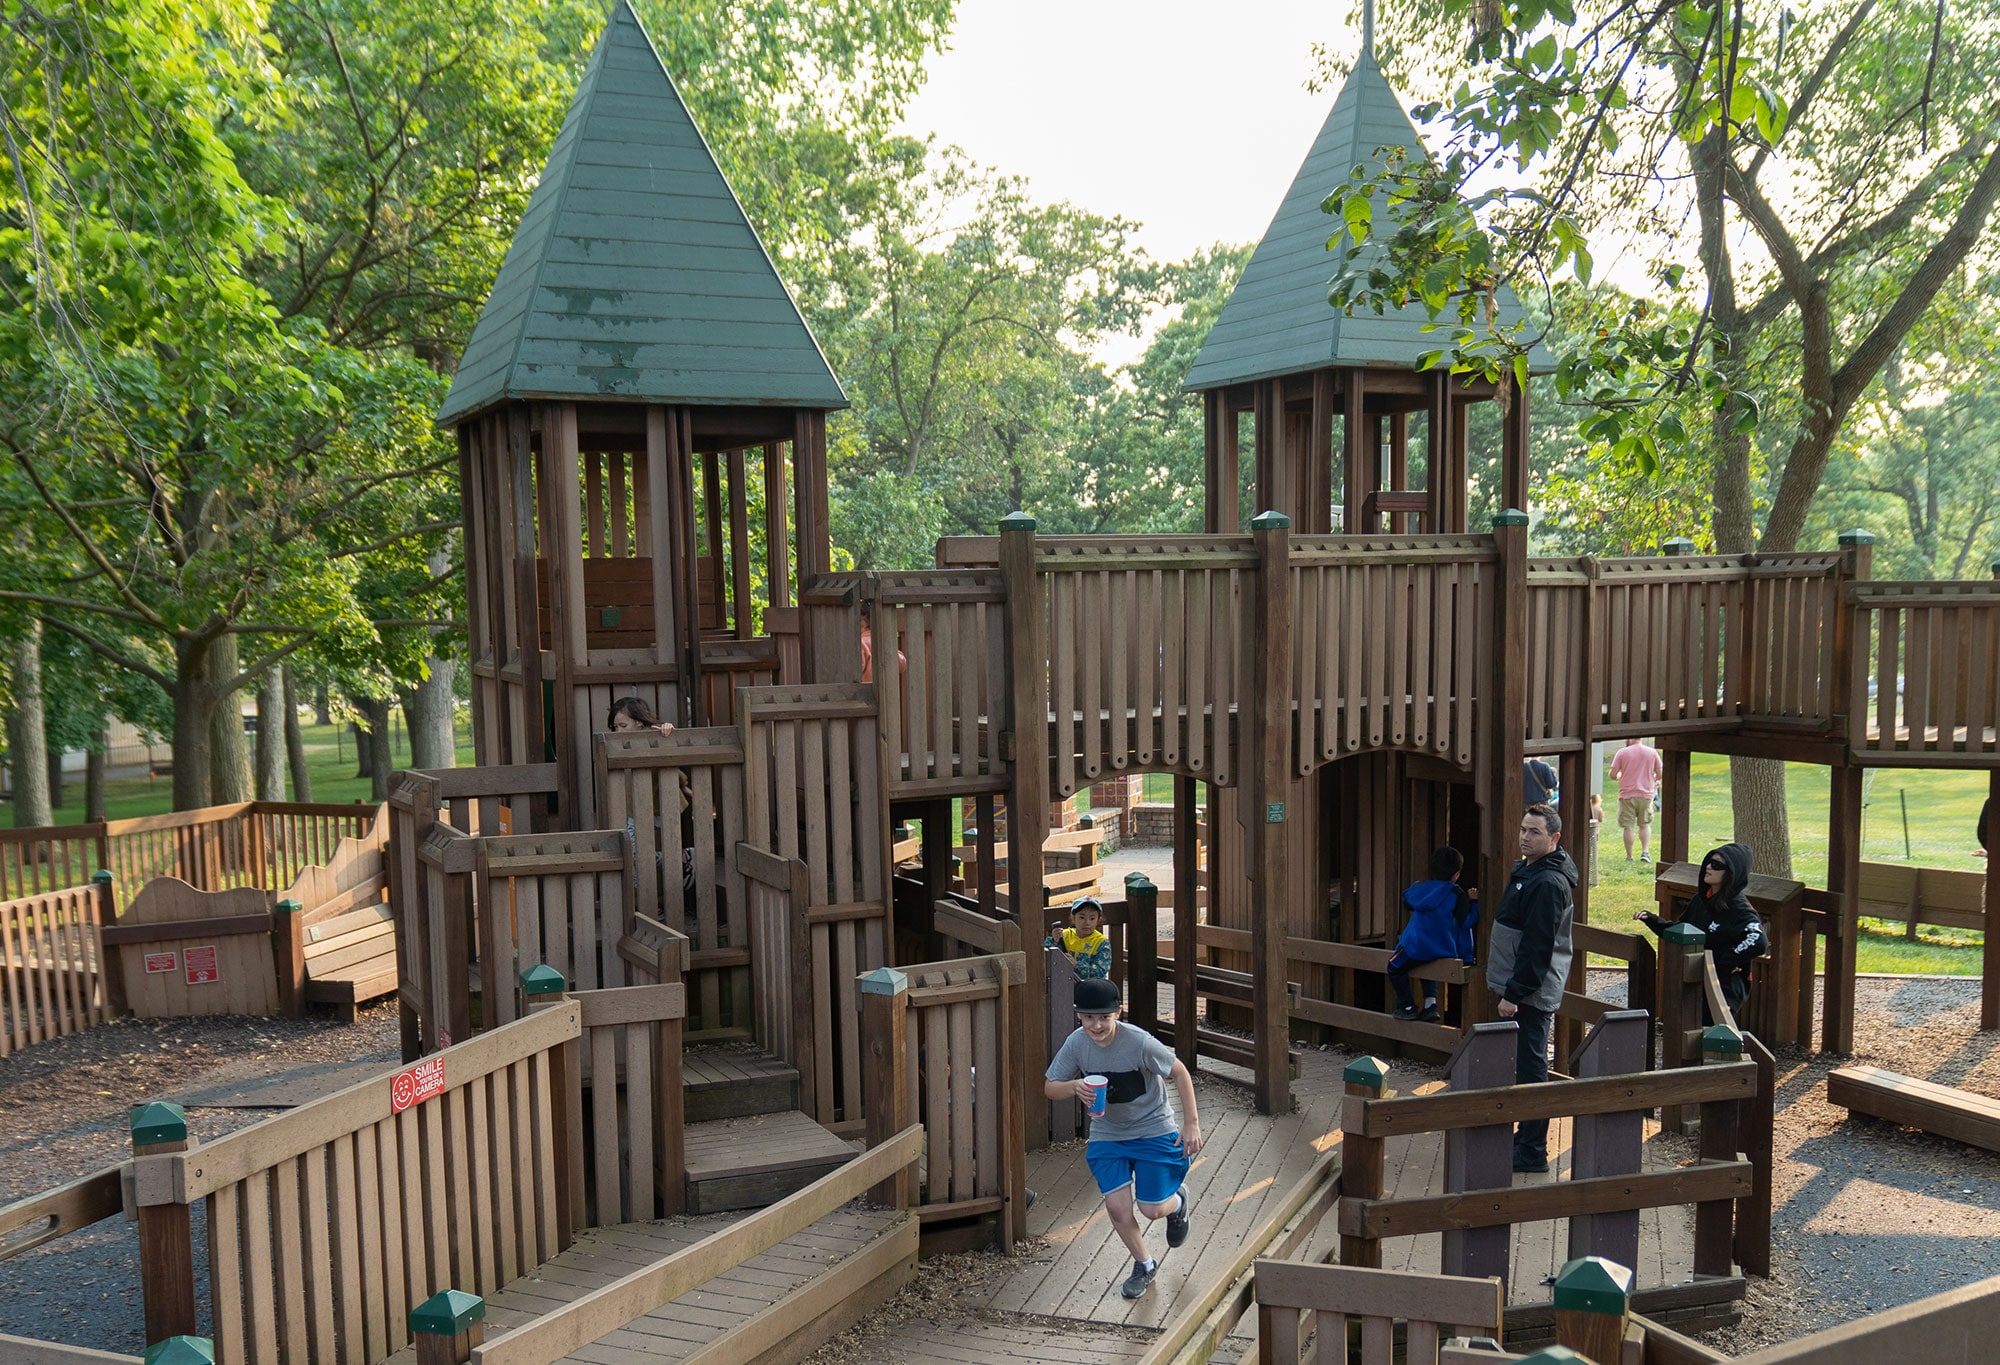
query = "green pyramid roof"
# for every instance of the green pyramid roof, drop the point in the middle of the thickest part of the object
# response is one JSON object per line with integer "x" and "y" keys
{"x": 1277, "y": 320}
{"x": 634, "y": 274}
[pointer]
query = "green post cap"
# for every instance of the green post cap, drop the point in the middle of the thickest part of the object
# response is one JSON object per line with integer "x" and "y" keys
{"x": 1086, "y": 821}
{"x": 1679, "y": 545}
{"x": 884, "y": 981}
{"x": 1513, "y": 516}
{"x": 1857, "y": 537}
{"x": 1591, "y": 1284}
{"x": 1555, "y": 1355}
{"x": 1684, "y": 934}
{"x": 289, "y": 907}
{"x": 1017, "y": 521}
{"x": 1369, "y": 1071}
{"x": 181, "y": 1351}
{"x": 102, "y": 876}
{"x": 970, "y": 833}
{"x": 901, "y": 829}
{"x": 447, "y": 1313}
{"x": 1133, "y": 879}
{"x": 158, "y": 1121}
{"x": 542, "y": 979}
{"x": 1270, "y": 521}
{"x": 1722, "y": 1041}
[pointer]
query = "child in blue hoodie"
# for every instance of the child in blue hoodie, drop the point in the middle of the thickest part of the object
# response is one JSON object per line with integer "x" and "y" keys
{"x": 1441, "y": 917}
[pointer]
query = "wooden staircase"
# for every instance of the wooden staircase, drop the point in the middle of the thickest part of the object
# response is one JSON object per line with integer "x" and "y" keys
{"x": 747, "y": 1145}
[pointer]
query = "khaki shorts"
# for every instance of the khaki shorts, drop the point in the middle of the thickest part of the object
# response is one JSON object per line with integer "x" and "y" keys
{"x": 1635, "y": 811}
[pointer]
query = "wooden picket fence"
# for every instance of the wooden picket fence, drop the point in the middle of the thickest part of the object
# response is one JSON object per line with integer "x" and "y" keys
{"x": 53, "y": 977}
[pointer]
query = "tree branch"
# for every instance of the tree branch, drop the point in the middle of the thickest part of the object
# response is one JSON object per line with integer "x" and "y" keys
{"x": 110, "y": 655}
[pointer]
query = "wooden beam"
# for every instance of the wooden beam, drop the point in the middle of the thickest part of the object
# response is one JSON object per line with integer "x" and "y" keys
{"x": 1266, "y": 766}
{"x": 1843, "y": 878}
{"x": 1028, "y": 798}
{"x": 1354, "y": 459}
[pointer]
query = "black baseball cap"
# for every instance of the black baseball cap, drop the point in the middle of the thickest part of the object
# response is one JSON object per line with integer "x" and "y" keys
{"x": 1097, "y": 996}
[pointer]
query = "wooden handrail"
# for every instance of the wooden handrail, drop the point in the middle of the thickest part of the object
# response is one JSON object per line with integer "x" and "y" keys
{"x": 1710, "y": 1180}
{"x": 575, "y": 1325}
{"x": 63, "y": 1210}
{"x": 1454, "y": 1109}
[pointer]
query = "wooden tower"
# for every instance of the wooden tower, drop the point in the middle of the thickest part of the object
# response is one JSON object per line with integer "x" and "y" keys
{"x": 640, "y": 377}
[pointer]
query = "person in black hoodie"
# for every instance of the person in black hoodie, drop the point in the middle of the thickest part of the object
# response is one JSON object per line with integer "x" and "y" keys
{"x": 1722, "y": 912}
{"x": 1527, "y": 961}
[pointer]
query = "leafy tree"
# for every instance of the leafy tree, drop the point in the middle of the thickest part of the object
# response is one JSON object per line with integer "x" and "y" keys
{"x": 1802, "y": 186}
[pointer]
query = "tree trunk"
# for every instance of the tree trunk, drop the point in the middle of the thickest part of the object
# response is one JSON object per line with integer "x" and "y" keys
{"x": 194, "y": 714}
{"x": 230, "y": 759}
{"x": 271, "y": 737}
{"x": 372, "y": 739}
{"x": 58, "y": 797}
{"x": 427, "y": 711}
{"x": 27, "y": 732}
{"x": 93, "y": 778}
{"x": 322, "y": 707}
{"x": 295, "y": 743}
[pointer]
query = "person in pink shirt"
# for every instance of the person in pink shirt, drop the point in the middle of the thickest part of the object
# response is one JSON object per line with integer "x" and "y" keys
{"x": 1636, "y": 769}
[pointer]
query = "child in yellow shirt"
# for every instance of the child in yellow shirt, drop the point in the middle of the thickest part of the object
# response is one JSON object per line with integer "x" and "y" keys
{"x": 1083, "y": 939}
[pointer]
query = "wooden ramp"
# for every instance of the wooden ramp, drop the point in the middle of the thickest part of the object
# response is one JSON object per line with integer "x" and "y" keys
{"x": 796, "y": 1294}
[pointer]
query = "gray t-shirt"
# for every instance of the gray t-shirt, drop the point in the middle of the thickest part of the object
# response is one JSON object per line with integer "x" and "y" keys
{"x": 1137, "y": 1064}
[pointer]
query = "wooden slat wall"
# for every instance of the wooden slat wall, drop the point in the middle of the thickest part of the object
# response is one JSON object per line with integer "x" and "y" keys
{"x": 1386, "y": 643}
{"x": 1558, "y": 600}
{"x": 936, "y": 706}
{"x": 637, "y": 1162}
{"x": 813, "y": 792}
{"x": 563, "y": 900}
{"x": 1793, "y": 601}
{"x": 49, "y": 858}
{"x": 1926, "y": 671}
{"x": 957, "y": 1034}
{"x": 1670, "y": 642}
{"x": 663, "y": 792}
{"x": 1148, "y": 653}
{"x": 51, "y": 966}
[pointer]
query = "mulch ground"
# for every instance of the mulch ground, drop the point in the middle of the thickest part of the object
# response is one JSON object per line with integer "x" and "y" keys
{"x": 1868, "y": 1216}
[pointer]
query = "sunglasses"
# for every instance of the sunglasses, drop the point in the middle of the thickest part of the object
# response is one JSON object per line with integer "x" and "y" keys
{"x": 1714, "y": 865}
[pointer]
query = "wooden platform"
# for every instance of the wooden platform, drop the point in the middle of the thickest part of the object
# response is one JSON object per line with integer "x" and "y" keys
{"x": 1939, "y": 1109}
{"x": 790, "y": 1297}
{"x": 733, "y": 1080}
{"x": 746, "y": 1163}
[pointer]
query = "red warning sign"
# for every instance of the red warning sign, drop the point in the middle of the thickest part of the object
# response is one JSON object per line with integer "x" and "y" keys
{"x": 421, "y": 1082}
{"x": 157, "y": 963}
{"x": 201, "y": 968}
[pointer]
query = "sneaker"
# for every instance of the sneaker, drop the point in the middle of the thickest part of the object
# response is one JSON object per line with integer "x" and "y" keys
{"x": 1406, "y": 1011}
{"x": 1140, "y": 1280}
{"x": 1430, "y": 1014}
{"x": 1177, "y": 1221}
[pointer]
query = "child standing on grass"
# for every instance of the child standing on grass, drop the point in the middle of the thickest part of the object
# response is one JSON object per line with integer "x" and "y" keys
{"x": 1441, "y": 916}
{"x": 1083, "y": 939}
{"x": 1138, "y": 1158}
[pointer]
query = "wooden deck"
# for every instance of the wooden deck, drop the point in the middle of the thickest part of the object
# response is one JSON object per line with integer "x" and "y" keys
{"x": 1248, "y": 1164}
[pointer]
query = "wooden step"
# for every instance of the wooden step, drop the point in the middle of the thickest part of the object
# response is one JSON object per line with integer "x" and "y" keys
{"x": 728, "y": 1081}
{"x": 746, "y": 1163}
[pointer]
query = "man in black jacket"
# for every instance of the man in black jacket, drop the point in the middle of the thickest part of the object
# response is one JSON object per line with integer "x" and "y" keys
{"x": 1527, "y": 963}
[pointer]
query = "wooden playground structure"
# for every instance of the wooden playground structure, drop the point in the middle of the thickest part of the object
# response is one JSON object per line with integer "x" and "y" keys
{"x": 644, "y": 975}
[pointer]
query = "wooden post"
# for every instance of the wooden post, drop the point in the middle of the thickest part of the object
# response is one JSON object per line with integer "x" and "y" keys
{"x": 1142, "y": 947}
{"x": 1506, "y": 722}
{"x": 1670, "y": 841}
{"x": 1365, "y": 1078}
{"x": 1843, "y": 879}
{"x": 1610, "y": 1144}
{"x": 288, "y": 953}
{"x": 166, "y": 1240}
{"x": 1028, "y": 799}
{"x": 1714, "y": 1221}
{"x": 111, "y": 979}
{"x": 181, "y": 1351}
{"x": 1989, "y": 955}
{"x": 1593, "y": 1298}
{"x": 1266, "y": 767}
{"x": 1759, "y": 1122}
{"x": 541, "y": 987}
{"x": 885, "y": 1075}
{"x": 1187, "y": 918}
{"x": 447, "y": 1326}
{"x": 1480, "y": 1158}
{"x": 1678, "y": 944}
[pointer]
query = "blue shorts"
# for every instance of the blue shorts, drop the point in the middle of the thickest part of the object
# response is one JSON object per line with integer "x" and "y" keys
{"x": 1154, "y": 1167}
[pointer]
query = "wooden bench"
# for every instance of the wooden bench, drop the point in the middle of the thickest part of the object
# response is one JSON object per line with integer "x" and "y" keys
{"x": 1923, "y": 895}
{"x": 350, "y": 955}
{"x": 1939, "y": 1109}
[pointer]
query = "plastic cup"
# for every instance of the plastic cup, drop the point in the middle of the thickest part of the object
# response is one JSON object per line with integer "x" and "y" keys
{"x": 1099, "y": 1085}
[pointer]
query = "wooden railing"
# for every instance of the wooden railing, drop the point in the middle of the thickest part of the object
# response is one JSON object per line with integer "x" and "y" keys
{"x": 1389, "y": 642}
{"x": 254, "y": 843}
{"x": 942, "y": 701}
{"x": 941, "y": 1039}
{"x": 1559, "y": 636}
{"x": 53, "y": 977}
{"x": 467, "y": 1170}
{"x": 1926, "y": 672}
{"x": 1148, "y": 643}
{"x": 1439, "y": 1306}
{"x": 1667, "y": 642}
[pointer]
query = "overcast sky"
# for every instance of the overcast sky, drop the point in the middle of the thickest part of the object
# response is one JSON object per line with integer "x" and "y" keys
{"x": 1188, "y": 116}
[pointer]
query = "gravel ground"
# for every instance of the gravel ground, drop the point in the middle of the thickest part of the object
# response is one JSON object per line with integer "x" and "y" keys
{"x": 1868, "y": 1216}
{"x": 64, "y": 1108}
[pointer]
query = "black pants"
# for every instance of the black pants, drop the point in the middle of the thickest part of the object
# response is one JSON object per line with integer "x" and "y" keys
{"x": 1531, "y": 1064}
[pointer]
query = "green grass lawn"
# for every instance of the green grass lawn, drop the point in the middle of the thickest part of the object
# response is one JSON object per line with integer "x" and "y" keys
{"x": 1942, "y": 810}
{"x": 329, "y": 756}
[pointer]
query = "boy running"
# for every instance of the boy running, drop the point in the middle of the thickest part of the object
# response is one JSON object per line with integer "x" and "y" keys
{"x": 1139, "y": 1160}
